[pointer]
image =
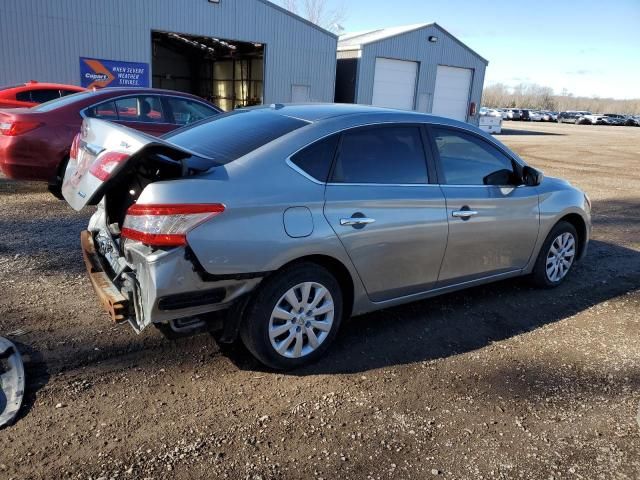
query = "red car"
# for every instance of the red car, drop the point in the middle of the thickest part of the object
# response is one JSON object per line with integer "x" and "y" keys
{"x": 35, "y": 142}
{"x": 33, "y": 93}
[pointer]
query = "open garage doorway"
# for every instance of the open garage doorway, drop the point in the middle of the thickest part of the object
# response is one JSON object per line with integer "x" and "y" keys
{"x": 228, "y": 73}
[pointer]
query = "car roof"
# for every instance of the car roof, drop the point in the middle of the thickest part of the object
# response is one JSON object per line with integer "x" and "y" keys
{"x": 315, "y": 112}
{"x": 37, "y": 85}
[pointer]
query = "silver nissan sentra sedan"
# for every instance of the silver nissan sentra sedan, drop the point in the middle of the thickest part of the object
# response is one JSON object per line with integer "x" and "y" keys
{"x": 274, "y": 224}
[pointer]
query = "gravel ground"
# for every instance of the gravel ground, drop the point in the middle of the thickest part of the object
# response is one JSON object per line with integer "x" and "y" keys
{"x": 500, "y": 381}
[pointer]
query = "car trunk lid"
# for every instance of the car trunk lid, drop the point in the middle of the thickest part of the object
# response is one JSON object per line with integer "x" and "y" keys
{"x": 103, "y": 152}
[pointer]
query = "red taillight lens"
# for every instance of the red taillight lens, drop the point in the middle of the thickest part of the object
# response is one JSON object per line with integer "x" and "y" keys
{"x": 166, "y": 225}
{"x": 11, "y": 128}
{"x": 106, "y": 163}
{"x": 75, "y": 146}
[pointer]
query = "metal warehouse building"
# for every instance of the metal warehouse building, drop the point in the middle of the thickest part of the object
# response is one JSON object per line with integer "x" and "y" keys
{"x": 234, "y": 52}
{"x": 418, "y": 67}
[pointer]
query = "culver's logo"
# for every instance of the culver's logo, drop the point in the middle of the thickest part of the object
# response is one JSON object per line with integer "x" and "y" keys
{"x": 101, "y": 77}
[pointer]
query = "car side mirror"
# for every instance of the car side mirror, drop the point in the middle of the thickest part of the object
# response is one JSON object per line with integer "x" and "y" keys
{"x": 532, "y": 177}
{"x": 499, "y": 177}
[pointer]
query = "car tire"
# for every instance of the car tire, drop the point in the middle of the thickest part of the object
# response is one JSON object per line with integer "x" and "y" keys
{"x": 283, "y": 329}
{"x": 55, "y": 185}
{"x": 559, "y": 248}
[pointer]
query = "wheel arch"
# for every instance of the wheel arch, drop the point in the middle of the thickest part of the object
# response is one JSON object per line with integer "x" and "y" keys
{"x": 581, "y": 228}
{"x": 338, "y": 270}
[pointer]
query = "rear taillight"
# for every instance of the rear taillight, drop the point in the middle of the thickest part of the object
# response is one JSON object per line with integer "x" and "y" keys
{"x": 11, "y": 128}
{"x": 166, "y": 225}
{"x": 75, "y": 146}
{"x": 106, "y": 163}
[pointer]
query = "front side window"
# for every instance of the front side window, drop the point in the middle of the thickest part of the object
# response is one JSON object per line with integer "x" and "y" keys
{"x": 186, "y": 112}
{"x": 316, "y": 159}
{"x": 387, "y": 155}
{"x": 468, "y": 160}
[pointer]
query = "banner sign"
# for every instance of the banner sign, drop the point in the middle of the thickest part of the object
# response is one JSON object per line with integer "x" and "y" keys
{"x": 99, "y": 73}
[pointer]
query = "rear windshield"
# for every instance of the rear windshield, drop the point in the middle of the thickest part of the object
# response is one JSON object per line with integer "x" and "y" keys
{"x": 230, "y": 136}
{"x": 62, "y": 101}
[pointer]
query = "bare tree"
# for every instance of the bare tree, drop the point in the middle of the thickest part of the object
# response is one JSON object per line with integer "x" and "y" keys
{"x": 319, "y": 12}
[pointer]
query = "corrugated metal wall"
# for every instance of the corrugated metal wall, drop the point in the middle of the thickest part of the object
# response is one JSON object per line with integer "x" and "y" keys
{"x": 415, "y": 46}
{"x": 43, "y": 39}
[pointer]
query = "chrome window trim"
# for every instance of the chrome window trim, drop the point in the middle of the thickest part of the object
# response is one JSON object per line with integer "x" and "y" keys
{"x": 83, "y": 113}
{"x": 293, "y": 166}
{"x": 289, "y": 161}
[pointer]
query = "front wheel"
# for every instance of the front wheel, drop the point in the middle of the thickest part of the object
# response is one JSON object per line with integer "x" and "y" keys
{"x": 557, "y": 256}
{"x": 293, "y": 317}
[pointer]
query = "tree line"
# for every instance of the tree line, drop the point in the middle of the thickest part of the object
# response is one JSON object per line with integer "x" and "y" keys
{"x": 538, "y": 97}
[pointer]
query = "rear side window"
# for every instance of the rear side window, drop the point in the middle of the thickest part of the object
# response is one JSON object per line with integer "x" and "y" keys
{"x": 466, "y": 159}
{"x": 227, "y": 137}
{"x": 42, "y": 96}
{"x": 388, "y": 155}
{"x": 24, "y": 96}
{"x": 316, "y": 159}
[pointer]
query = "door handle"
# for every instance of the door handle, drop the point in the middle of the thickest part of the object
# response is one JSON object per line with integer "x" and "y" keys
{"x": 464, "y": 214}
{"x": 356, "y": 221}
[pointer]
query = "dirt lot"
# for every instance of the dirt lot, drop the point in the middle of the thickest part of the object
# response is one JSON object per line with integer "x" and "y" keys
{"x": 501, "y": 381}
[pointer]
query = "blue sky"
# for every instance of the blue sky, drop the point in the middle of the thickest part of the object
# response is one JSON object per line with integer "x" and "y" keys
{"x": 588, "y": 47}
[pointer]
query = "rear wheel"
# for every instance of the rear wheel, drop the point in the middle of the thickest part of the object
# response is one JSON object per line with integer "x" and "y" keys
{"x": 293, "y": 317}
{"x": 557, "y": 256}
{"x": 55, "y": 185}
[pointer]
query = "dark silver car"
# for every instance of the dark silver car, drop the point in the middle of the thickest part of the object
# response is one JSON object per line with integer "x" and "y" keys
{"x": 292, "y": 218}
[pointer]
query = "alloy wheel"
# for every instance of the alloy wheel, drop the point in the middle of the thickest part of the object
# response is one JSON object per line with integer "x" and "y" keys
{"x": 301, "y": 320}
{"x": 560, "y": 257}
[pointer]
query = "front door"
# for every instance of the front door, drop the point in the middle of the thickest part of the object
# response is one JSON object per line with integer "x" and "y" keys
{"x": 493, "y": 219}
{"x": 391, "y": 221}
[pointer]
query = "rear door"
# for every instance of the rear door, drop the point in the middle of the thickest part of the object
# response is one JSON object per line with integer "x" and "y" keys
{"x": 390, "y": 219}
{"x": 492, "y": 227}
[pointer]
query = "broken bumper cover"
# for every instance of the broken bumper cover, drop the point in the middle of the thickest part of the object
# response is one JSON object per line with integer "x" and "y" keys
{"x": 110, "y": 297}
{"x": 157, "y": 286}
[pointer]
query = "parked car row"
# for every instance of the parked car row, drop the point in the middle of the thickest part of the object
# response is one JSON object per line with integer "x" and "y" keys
{"x": 579, "y": 117}
{"x": 526, "y": 114}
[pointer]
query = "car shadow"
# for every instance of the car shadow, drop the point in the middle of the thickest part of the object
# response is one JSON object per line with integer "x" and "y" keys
{"x": 513, "y": 131}
{"x": 470, "y": 319}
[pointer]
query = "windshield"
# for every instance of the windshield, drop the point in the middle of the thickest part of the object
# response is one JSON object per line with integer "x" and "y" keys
{"x": 62, "y": 101}
{"x": 230, "y": 136}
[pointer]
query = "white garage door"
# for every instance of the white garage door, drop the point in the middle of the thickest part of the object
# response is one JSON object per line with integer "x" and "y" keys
{"x": 451, "y": 95}
{"x": 394, "y": 83}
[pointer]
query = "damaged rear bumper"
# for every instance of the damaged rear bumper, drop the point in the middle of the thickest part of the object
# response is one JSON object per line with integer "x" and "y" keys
{"x": 142, "y": 285}
{"x": 116, "y": 305}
